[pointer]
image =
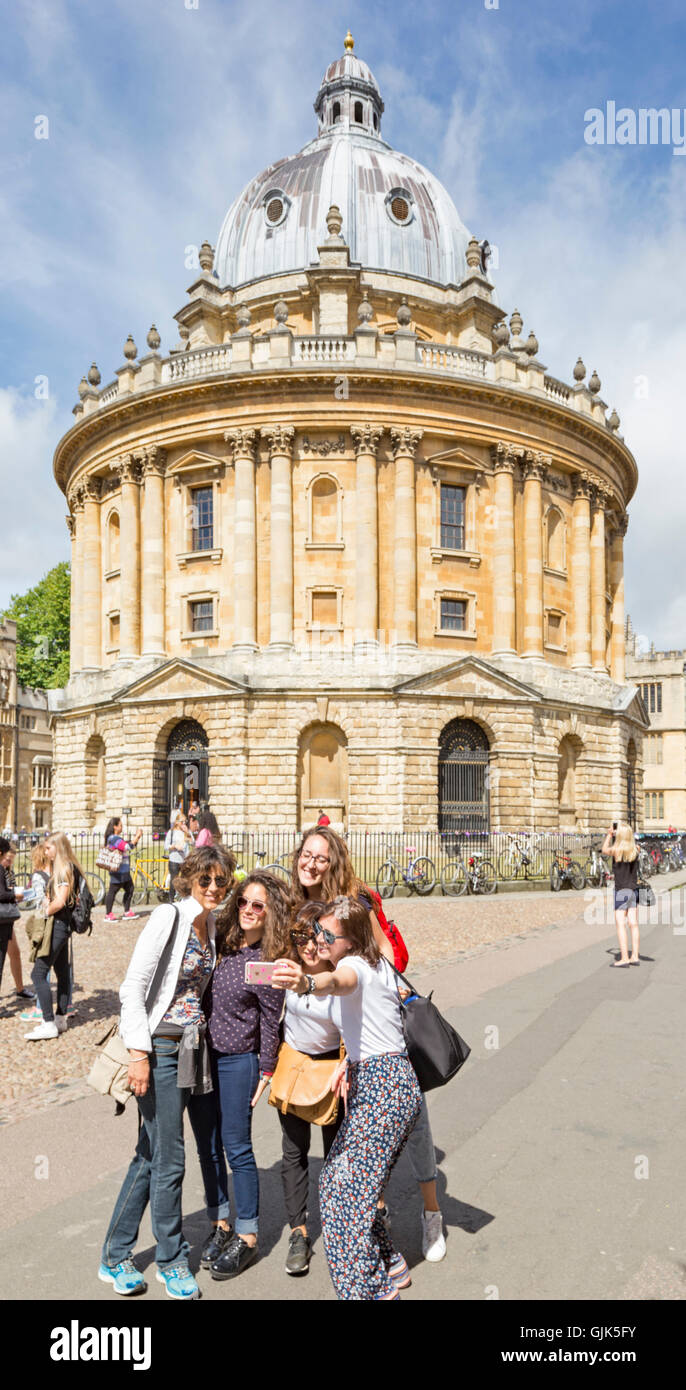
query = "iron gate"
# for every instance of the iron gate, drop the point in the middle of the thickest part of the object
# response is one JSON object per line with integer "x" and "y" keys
{"x": 463, "y": 800}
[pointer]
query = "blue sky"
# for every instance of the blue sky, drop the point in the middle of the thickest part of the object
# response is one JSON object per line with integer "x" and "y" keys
{"x": 160, "y": 111}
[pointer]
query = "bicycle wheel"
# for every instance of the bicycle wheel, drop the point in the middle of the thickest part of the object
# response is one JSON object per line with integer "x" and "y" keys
{"x": 663, "y": 866}
{"x": 577, "y": 877}
{"x": 141, "y": 888}
{"x": 386, "y": 879}
{"x": 509, "y": 864}
{"x": 588, "y": 869}
{"x": 96, "y": 885}
{"x": 485, "y": 880}
{"x": 555, "y": 877}
{"x": 279, "y": 870}
{"x": 422, "y": 876}
{"x": 454, "y": 878}
{"x": 535, "y": 867}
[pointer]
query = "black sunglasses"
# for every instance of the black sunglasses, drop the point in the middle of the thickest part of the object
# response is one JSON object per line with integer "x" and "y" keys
{"x": 329, "y": 937}
{"x": 206, "y": 879}
{"x": 301, "y": 938}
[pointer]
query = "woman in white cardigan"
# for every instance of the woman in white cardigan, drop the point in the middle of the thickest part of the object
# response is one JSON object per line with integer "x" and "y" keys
{"x": 162, "y": 1026}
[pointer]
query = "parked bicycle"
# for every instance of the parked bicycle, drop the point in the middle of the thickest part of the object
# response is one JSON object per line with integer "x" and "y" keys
{"x": 477, "y": 874}
{"x": 281, "y": 867}
{"x": 595, "y": 870}
{"x": 419, "y": 875}
{"x": 564, "y": 869}
{"x": 150, "y": 880}
{"x": 522, "y": 856}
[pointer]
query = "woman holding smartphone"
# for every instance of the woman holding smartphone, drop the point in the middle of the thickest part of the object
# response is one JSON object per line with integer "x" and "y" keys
{"x": 383, "y": 1100}
{"x": 621, "y": 845}
{"x": 243, "y": 1028}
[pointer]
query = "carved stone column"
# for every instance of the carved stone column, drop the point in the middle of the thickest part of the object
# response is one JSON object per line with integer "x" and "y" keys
{"x": 75, "y": 524}
{"x": 91, "y": 577}
{"x": 504, "y": 626}
{"x": 153, "y": 569}
{"x": 598, "y": 582}
{"x": 280, "y": 440}
{"x": 366, "y": 439}
{"x": 404, "y": 445}
{"x": 242, "y": 445}
{"x": 617, "y": 640}
{"x": 533, "y": 469}
{"x": 130, "y": 558}
{"x": 581, "y": 573}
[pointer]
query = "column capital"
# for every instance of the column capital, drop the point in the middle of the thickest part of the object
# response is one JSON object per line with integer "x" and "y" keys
{"x": 582, "y": 485}
{"x": 620, "y": 523}
{"x": 279, "y": 438}
{"x": 92, "y": 489}
{"x": 76, "y": 499}
{"x": 242, "y": 443}
{"x": 535, "y": 465}
{"x": 153, "y": 461}
{"x": 504, "y": 457}
{"x": 404, "y": 441}
{"x": 601, "y": 497}
{"x": 71, "y": 525}
{"x": 127, "y": 467}
{"x": 366, "y": 438}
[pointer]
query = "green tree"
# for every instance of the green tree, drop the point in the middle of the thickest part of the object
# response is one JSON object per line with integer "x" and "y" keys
{"x": 42, "y": 618}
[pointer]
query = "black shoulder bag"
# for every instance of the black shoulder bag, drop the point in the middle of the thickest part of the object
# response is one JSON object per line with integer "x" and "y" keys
{"x": 434, "y": 1047}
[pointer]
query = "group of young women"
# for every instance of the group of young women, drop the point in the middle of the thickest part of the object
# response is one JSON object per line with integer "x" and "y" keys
{"x": 204, "y": 1035}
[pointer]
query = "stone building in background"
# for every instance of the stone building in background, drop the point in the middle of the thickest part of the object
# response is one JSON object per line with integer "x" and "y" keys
{"x": 347, "y": 546}
{"x": 25, "y": 745}
{"x": 661, "y": 679}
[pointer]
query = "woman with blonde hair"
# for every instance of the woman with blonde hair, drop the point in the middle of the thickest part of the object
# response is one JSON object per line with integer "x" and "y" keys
{"x": 621, "y": 845}
{"x": 180, "y": 844}
{"x": 60, "y": 896}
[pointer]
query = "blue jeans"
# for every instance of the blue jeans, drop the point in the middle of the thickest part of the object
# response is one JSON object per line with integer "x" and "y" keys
{"x": 157, "y": 1169}
{"x": 235, "y": 1077}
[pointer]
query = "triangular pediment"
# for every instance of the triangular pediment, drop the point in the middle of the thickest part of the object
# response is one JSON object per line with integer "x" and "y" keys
{"x": 195, "y": 461}
{"x": 635, "y": 708}
{"x": 180, "y": 679}
{"x": 472, "y": 678}
{"x": 459, "y": 455}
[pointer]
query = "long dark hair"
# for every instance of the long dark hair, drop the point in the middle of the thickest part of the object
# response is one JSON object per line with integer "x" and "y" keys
{"x": 207, "y": 821}
{"x": 116, "y": 820}
{"x": 277, "y": 917}
{"x": 340, "y": 878}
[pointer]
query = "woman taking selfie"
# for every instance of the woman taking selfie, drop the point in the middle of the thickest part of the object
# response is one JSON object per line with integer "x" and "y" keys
{"x": 243, "y": 1030}
{"x": 162, "y": 1025}
{"x": 383, "y": 1100}
{"x": 621, "y": 845}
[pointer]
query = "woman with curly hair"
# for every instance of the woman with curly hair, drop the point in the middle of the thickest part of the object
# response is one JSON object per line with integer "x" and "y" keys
{"x": 243, "y": 1028}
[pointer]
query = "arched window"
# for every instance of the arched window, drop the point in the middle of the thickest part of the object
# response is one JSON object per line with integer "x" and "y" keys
{"x": 113, "y": 541}
{"x": 187, "y": 763}
{"x": 555, "y": 547}
{"x": 463, "y": 753}
{"x": 325, "y": 511}
{"x": 336, "y": 112}
{"x": 359, "y": 114}
{"x": 323, "y": 773}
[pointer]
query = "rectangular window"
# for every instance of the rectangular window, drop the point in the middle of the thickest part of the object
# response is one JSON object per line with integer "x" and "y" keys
{"x": 201, "y": 615}
{"x": 202, "y": 518}
{"x": 654, "y": 754}
{"x": 454, "y": 614}
{"x": 452, "y": 517}
{"x": 661, "y": 805}
{"x": 325, "y": 609}
{"x": 555, "y": 629}
{"x": 114, "y": 630}
{"x": 652, "y": 697}
{"x": 38, "y": 817}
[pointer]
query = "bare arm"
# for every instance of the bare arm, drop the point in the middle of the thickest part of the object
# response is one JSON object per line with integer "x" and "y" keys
{"x": 289, "y": 975}
{"x": 607, "y": 843}
{"x": 59, "y": 901}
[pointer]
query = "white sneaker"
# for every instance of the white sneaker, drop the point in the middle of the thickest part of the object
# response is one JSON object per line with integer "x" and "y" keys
{"x": 61, "y": 1022}
{"x": 43, "y": 1030}
{"x": 433, "y": 1240}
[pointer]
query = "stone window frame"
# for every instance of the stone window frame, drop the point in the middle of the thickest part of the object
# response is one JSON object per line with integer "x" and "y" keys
{"x": 198, "y": 470}
{"x": 467, "y": 596}
{"x": 654, "y": 742}
{"x": 114, "y": 510}
{"x": 41, "y": 786}
{"x": 339, "y": 543}
{"x": 548, "y": 568}
{"x": 112, "y": 649}
{"x": 198, "y": 596}
{"x": 456, "y": 475}
{"x": 311, "y": 590}
{"x": 660, "y": 807}
{"x": 555, "y": 613}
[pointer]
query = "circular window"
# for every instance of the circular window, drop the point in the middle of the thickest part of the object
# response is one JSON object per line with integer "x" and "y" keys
{"x": 274, "y": 210}
{"x": 399, "y": 206}
{"x": 275, "y": 205}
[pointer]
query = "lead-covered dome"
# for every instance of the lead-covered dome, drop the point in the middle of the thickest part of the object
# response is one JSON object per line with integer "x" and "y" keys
{"x": 396, "y": 215}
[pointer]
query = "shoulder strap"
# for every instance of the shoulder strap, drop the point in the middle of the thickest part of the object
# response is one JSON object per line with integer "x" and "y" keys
{"x": 164, "y": 958}
{"x": 400, "y": 976}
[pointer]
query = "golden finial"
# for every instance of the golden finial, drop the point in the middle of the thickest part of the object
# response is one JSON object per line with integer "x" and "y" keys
{"x": 349, "y": 43}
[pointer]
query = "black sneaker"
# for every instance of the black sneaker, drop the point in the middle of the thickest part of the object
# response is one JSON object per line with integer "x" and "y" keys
{"x": 215, "y": 1245}
{"x": 234, "y": 1259}
{"x": 299, "y": 1252}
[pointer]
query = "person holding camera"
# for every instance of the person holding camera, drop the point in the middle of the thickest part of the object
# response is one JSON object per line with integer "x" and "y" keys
{"x": 120, "y": 878}
{"x": 620, "y": 845}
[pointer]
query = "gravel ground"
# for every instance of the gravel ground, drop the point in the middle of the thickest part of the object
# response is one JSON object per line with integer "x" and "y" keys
{"x": 34, "y": 1074}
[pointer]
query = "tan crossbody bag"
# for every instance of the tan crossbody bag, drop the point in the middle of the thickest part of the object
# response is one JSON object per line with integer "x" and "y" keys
{"x": 301, "y": 1086}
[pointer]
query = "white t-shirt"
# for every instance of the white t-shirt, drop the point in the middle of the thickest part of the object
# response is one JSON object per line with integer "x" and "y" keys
{"x": 308, "y": 1024}
{"x": 369, "y": 1018}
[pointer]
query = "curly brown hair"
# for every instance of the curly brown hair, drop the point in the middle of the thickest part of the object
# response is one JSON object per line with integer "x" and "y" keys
{"x": 277, "y": 918}
{"x": 198, "y": 862}
{"x": 340, "y": 878}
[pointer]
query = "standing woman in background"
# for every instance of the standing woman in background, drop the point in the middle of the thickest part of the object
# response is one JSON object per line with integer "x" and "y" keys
{"x": 208, "y": 830}
{"x": 121, "y": 877}
{"x": 181, "y": 842}
{"x": 60, "y": 897}
{"x": 9, "y": 898}
{"x": 622, "y": 848}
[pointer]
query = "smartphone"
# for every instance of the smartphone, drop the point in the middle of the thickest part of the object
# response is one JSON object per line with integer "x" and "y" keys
{"x": 614, "y": 825}
{"x": 259, "y": 972}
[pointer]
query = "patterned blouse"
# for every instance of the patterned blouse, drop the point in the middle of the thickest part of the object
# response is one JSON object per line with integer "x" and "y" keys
{"x": 196, "y": 968}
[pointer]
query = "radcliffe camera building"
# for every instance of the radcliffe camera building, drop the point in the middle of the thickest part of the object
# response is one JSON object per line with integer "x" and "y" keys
{"x": 347, "y": 545}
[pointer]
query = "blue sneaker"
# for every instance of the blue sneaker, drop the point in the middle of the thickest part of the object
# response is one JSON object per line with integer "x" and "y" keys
{"x": 179, "y": 1281}
{"x": 124, "y": 1277}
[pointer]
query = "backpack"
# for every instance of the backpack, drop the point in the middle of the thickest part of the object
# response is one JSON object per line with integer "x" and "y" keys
{"x": 82, "y": 911}
{"x": 401, "y": 954}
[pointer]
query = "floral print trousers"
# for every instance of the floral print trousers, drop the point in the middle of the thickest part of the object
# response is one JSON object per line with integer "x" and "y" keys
{"x": 384, "y": 1101}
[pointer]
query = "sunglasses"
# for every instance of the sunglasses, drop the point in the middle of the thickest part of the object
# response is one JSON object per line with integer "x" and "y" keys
{"x": 301, "y": 938}
{"x": 329, "y": 937}
{"x": 206, "y": 879}
{"x": 254, "y": 903}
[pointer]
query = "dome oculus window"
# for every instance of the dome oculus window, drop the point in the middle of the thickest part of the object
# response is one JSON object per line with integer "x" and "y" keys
{"x": 399, "y": 206}
{"x": 276, "y": 206}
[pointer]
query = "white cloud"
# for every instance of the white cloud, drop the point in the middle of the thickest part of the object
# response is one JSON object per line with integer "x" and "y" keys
{"x": 34, "y": 536}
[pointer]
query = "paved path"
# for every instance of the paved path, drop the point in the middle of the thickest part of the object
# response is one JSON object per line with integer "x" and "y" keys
{"x": 542, "y": 1141}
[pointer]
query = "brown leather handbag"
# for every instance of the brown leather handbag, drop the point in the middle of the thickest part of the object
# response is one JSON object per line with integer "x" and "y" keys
{"x": 301, "y": 1086}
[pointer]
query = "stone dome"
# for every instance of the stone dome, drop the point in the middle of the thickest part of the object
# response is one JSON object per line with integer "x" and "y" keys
{"x": 397, "y": 216}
